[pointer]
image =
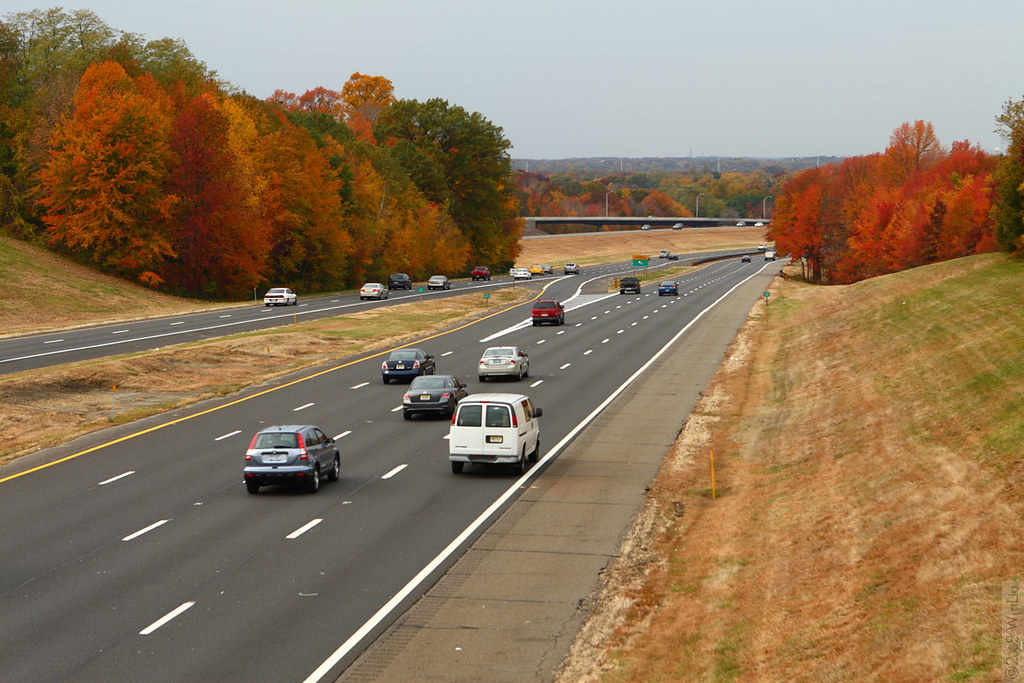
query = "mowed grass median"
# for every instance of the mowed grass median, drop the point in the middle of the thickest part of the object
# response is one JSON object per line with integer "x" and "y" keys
{"x": 867, "y": 443}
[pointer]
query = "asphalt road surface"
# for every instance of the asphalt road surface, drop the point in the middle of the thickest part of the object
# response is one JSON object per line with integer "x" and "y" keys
{"x": 27, "y": 352}
{"x": 136, "y": 554}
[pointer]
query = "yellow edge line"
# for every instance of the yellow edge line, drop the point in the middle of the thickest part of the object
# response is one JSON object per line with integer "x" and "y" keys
{"x": 261, "y": 393}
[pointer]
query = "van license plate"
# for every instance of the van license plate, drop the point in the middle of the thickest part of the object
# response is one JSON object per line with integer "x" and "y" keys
{"x": 494, "y": 438}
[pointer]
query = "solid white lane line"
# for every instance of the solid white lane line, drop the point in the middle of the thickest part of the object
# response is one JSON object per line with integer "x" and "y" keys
{"x": 167, "y": 617}
{"x": 295, "y": 410}
{"x": 303, "y": 529}
{"x": 565, "y": 366}
{"x": 343, "y": 434}
{"x": 228, "y": 435}
{"x": 393, "y": 472}
{"x": 113, "y": 479}
{"x": 537, "y": 383}
{"x": 53, "y": 341}
{"x": 359, "y": 386}
{"x": 149, "y": 528}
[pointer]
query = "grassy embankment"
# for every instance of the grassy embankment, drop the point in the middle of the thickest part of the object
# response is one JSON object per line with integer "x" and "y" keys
{"x": 867, "y": 443}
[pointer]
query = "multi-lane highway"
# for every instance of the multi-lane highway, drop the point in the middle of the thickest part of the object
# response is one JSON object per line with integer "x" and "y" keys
{"x": 26, "y": 352}
{"x": 142, "y": 557}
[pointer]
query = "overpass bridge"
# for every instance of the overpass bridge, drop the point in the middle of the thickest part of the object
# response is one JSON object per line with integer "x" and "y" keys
{"x": 550, "y": 225}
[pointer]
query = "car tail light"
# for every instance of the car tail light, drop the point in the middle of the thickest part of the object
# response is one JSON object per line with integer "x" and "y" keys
{"x": 445, "y": 396}
{"x": 515, "y": 422}
{"x": 483, "y": 362}
{"x": 405, "y": 396}
{"x": 384, "y": 365}
{"x": 453, "y": 418}
{"x": 512, "y": 361}
{"x": 251, "y": 451}
{"x": 303, "y": 453}
{"x": 416, "y": 365}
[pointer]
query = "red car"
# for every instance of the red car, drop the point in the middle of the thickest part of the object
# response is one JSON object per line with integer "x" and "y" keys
{"x": 480, "y": 273}
{"x": 547, "y": 311}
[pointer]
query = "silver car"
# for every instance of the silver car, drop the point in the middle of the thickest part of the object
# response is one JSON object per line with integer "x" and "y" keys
{"x": 503, "y": 361}
{"x": 439, "y": 282}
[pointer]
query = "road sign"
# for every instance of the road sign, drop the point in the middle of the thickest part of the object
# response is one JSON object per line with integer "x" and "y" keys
{"x": 487, "y": 295}
{"x": 420, "y": 290}
{"x": 641, "y": 260}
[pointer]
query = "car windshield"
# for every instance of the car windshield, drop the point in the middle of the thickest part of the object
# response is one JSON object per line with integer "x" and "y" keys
{"x": 277, "y": 440}
{"x": 498, "y": 352}
{"x": 421, "y": 383}
{"x": 403, "y": 355}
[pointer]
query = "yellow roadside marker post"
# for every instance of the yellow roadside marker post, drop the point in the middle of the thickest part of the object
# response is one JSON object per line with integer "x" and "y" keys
{"x": 712, "y": 475}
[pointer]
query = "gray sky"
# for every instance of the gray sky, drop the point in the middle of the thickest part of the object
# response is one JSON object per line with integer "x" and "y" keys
{"x": 630, "y": 78}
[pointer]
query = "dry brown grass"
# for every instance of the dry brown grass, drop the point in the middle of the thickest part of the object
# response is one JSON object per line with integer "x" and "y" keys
{"x": 620, "y": 246}
{"x": 865, "y": 516}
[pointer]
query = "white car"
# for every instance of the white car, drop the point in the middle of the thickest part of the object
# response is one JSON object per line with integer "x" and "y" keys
{"x": 280, "y": 296}
{"x": 520, "y": 274}
{"x": 645, "y": 227}
{"x": 571, "y": 269}
{"x": 677, "y": 226}
{"x": 759, "y": 224}
{"x": 373, "y": 290}
{"x": 439, "y": 282}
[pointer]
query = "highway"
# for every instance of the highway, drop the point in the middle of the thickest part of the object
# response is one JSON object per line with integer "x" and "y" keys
{"x": 138, "y": 555}
{"x": 33, "y": 351}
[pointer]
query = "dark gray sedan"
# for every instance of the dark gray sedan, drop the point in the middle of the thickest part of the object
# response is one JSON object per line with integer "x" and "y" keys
{"x": 438, "y": 394}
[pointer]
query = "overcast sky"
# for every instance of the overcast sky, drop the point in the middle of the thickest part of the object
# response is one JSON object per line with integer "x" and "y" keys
{"x": 630, "y": 78}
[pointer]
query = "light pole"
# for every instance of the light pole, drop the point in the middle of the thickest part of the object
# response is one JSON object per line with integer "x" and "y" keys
{"x": 697, "y": 210}
{"x": 764, "y": 213}
{"x": 606, "y": 202}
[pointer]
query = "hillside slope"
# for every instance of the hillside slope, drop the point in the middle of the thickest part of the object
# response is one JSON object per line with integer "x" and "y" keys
{"x": 867, "y": 444}
{"x": 42, "y": 290}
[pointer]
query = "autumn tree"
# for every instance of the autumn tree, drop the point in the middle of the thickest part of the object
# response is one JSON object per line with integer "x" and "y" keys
{"x": 458, "y": 160}
{"x": 103, "y": 185}
{"x": 365, "y": 97}
{"x": 912, "y": 147}
{"x": 219, "y": 239}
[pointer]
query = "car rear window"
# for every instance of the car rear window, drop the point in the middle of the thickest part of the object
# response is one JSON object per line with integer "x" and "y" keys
{"x": 498, "y": 352}
{"x": 498, "y": 416}
{"x": 427, "y": 383}
{"x": 544, "y": 304}
{"x": 470, "y": 416}
{"x": 403, "y": 355}
{"x": 277, "y": 440}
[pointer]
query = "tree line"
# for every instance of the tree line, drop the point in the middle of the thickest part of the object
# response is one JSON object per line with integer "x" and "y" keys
{"x": 915, "y": 203}
{"x": 135, "y": 157}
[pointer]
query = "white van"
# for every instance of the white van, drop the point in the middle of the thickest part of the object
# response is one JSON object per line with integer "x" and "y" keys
{"x": 495, "y": 429}
{"x": 769, "y": 255}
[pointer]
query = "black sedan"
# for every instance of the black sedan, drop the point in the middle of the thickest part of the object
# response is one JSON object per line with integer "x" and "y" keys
{"x": 435, "y": 394}
{"x": 406, "y": 364}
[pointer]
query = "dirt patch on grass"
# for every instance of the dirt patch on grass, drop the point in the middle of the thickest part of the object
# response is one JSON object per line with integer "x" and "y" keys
{"x": 856, "y": 534}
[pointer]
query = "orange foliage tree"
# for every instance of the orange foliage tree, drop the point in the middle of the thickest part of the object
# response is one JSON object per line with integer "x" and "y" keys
{"x": 912, "y": 205}
{"x": 218, "y": 236}
{"x": 103, "y": 185}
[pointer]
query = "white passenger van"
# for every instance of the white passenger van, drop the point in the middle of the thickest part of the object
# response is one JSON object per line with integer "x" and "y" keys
{"x": 495, "y": 429}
